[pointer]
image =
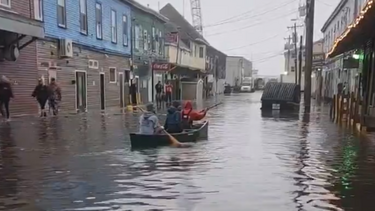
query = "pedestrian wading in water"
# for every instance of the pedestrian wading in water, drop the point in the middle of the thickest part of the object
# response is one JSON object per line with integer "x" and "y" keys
{"x": 54, "y": 96}
{"x": 6, "y": 94}
{"x": 41, "y": 94}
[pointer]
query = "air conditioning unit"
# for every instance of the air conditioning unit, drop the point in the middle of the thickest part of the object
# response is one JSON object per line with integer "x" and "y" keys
{"x": 66, "y": 48}
{"x": 93, "y": 64}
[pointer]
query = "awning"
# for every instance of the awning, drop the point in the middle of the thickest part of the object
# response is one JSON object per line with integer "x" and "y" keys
{"x": 358, "y": 33}
{"x": 15, "y": 23}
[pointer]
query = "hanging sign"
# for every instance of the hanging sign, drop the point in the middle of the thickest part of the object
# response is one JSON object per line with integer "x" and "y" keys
{"x": 161, "y": 66}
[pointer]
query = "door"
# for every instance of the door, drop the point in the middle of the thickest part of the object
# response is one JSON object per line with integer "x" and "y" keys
{"x": 81, "y": 87}
{"x": 121, "y": 80}
{"x": 102, "y": 92}
{"x": 143, "y": 89}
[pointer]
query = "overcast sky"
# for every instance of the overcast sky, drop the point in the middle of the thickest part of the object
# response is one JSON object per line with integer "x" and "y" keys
{"x": 254, "y": 29}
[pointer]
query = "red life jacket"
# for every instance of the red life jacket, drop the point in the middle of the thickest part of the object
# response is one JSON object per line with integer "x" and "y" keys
{"x": 185, "y": 119}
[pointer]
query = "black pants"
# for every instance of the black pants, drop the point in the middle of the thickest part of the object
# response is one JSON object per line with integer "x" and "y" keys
{"x": 4, "y": 103}
{"x": 42, "y": 103}
{"x": 168, "y": 96}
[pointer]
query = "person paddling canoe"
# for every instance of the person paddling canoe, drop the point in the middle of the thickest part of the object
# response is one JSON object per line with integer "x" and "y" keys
{"x": 189, "y": 115}
{"x": 149, "y": 122}
{"x": 173, "y": 122}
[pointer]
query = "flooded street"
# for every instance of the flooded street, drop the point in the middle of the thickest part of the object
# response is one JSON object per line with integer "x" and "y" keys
{"x": 252, "y": 161}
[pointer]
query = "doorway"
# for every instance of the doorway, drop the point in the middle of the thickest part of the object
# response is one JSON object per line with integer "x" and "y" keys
{"x": 102, "y": 91}
{"x": 81, "y": 91}
{"x": 121, "y": 80}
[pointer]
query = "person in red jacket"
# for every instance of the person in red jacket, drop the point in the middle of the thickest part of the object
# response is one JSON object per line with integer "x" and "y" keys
{"x": 189, "y": 115}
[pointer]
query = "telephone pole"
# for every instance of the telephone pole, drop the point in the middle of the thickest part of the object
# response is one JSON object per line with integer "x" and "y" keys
{"x": 288, "y": 59}
{"x": 310, "y": 9}
{"x": 300, "y": 61}
{"x": 295, "y": 40}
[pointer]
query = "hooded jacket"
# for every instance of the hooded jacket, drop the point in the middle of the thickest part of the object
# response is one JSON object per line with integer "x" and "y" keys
{"x": 193, "y": 115}
{"x": 173, "y": 119}
{"x": 148, "y": 123}
{"x": 5, "y": 90}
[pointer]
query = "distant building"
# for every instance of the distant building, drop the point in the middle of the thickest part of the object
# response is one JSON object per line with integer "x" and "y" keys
{"x": 237, "y": 67}
{"x": 291, "y": 71}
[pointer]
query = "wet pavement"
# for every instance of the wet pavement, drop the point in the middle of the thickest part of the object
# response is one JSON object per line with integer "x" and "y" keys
{"x": 252, "y": 161}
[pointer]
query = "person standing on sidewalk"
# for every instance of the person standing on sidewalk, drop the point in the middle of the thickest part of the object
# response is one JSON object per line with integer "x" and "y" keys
{"x": 6, "y": 94}
{"x": 41, "y": 94}
{"x": 158, "y": 89}
{"x": 168, "y": 93}
{"x": 54, "y": 96}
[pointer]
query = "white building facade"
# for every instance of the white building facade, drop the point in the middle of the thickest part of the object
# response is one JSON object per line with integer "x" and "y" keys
{"x": 334, "y": 71}
{"x": 237, "y": 68}
{"x": 291, "y": 71}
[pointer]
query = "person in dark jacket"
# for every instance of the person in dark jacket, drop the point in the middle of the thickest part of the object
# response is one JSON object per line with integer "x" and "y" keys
{"x": 6, "y": 94}
{"x": 41, "y": 94}
{"x": 173, "y": 121}
{"x": 54, "y": 95}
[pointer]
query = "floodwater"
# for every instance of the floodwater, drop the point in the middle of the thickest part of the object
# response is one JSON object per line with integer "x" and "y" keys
{"x": 252, "y": 161}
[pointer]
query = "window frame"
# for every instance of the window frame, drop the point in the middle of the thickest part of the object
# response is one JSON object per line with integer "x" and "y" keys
{"x": 9, "y": 5}
{"x": 136, "y": 37}
{"x": 114, "y": 28}
{"x": 80, "y": 18}
{"x": 101, "y": 21}
{"x": 39, "y": 6}
{"x": 199, "y": 53}
{"x": 64, "y": 25}
{"x": 109, "y": 75}
{"x": 125, "y": 27}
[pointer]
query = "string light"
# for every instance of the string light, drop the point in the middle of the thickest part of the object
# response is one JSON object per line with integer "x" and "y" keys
{"x": 350, "y": 27}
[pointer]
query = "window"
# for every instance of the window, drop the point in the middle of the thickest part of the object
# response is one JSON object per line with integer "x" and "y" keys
{"x": 61, "y": 13}
{"x": 136, "y": 37}
{"x": 292, "y": 68}
{"x": 83, "y": 16}
{"x": 153, "y": 39}
{"x": 112, "y": 75}
{"x": 38, "y": 10}
{"x": 113, "y": 27}
{"x": 195, "y": 51}
{"x": 161, "y": 46}
{"x": 145, "y": 46}
{"x": 201, "y": 52}
{"x": 125, "y": 30}
{"x": 140, "y": 38}
{"x": 5, "y": 3}
{"x": 99, "y": 18}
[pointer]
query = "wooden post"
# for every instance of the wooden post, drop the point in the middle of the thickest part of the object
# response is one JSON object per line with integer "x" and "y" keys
{"x": 310, "y": 8}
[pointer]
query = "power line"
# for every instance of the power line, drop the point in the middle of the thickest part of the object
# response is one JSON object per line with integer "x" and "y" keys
{"x": 248, "y": 17}
{"x": 251, "y": 44}
{"x": 269, "y": 57}
{"x": 252, "y": 25}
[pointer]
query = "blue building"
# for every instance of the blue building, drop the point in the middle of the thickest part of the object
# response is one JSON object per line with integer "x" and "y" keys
{"x": 87, "y": 49}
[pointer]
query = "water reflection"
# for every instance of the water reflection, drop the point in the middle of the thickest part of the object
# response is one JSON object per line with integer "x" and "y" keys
{"x": 253, "y": 160}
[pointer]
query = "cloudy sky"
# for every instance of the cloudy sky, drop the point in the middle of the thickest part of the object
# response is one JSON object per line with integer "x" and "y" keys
{"x": 254, "y": 29}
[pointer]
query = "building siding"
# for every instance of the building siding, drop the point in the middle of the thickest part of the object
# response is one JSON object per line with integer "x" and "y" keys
{"x": 23, "y": 72}
{"x": 66, "y": 73}
{"x": 23, "y": 75}
{"x": 73, "y": 24}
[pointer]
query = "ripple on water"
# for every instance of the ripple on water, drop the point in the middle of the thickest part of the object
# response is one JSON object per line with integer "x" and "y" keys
{"x": 253, "y": 160}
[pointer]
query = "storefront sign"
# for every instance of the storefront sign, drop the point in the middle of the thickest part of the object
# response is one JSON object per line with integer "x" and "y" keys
{"x": 161, "y": 66}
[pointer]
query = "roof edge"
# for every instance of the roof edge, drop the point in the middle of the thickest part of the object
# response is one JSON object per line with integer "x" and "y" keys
{"x": 145, "y": 9}
{"x": 333, "y": 15}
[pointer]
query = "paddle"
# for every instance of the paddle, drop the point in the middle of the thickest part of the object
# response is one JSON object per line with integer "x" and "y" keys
{"x": 213, "y": 106}
{"x": 173, "y": 140}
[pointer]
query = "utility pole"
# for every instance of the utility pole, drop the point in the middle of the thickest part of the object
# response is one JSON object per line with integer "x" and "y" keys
{"x": 295, "y": 40}
{"x": 300, "y": 61}
{"x": 288, "y": 59}
{"x": 310, "y": 7}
